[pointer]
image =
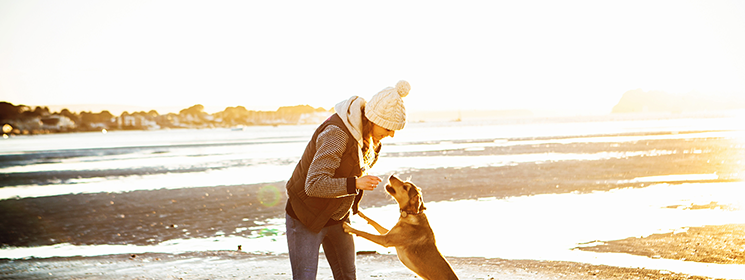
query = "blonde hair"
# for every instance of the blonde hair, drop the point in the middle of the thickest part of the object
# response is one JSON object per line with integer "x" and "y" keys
{"x": 367, "y": 141}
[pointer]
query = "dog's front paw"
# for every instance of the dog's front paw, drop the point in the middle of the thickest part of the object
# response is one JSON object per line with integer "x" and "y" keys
{"x": 348, "y": 228}
{"x": 359, "y": 213}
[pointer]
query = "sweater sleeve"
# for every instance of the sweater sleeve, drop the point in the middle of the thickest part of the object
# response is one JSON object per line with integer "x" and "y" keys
{"x": 330, "y": 146}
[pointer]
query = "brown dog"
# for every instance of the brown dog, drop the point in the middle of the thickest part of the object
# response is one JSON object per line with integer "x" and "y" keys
{"x": 412, "y": 236}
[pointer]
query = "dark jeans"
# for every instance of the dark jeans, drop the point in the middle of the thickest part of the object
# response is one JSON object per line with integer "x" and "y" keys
{"x": 303, "y": 245}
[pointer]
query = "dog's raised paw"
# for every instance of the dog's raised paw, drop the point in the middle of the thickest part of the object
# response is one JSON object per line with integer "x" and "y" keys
{"x": 347, "y": 228}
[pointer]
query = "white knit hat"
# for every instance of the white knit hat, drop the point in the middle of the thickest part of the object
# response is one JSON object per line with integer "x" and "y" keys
{"x": 387, "y": 109}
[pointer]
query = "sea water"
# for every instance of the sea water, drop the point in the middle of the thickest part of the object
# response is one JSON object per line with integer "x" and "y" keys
{"x": 189, "y": 158}
{"x": 540, "y": 227}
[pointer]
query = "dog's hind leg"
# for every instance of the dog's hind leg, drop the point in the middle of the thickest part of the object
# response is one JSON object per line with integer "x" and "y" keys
{"x": 377, "y": 226}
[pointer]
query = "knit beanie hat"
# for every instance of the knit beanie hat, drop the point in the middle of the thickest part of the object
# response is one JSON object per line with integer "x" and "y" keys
{"x": 386, "y": 108}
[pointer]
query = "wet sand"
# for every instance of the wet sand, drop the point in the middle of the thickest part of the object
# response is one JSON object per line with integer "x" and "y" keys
{"x": 231, "y": 265}
{"x": 723, "y": 244}
{"x": 150, "y": 217}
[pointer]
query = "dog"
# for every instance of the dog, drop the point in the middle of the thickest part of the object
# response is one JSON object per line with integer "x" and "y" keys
{"x": 412, "y": 235}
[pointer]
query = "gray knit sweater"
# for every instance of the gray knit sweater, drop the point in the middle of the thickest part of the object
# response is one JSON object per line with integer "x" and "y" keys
{"x": 330, "y": 146}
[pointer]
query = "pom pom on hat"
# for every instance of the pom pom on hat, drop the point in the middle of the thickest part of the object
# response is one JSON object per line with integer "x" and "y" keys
{"x": 403, "y": 88}
{"x": 386, "y": 108}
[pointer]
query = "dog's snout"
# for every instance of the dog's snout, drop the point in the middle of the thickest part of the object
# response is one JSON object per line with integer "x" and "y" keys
{"x": 394, "y": 178}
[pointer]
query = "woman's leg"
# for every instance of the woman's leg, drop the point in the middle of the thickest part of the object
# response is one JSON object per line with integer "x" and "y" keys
{"x": 338, "y": 246}
{"x": 303, "y": 246}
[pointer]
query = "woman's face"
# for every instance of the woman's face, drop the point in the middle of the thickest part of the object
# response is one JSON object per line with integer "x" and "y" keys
{"x": 378, "y": 133}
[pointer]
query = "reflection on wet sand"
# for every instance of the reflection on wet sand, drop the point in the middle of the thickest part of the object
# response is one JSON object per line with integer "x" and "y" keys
{"x": 540, "y": 227}
{"x": 547, "y": 200}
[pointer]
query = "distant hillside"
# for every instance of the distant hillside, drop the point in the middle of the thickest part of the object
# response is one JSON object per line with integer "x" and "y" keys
{"x": 634, "y": 101}
{"x": 117, "y": 109}
{"x": 24, "y": 120}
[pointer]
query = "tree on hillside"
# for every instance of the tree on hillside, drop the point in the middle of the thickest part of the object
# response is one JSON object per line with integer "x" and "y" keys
{"x": 299, "y": 109}
{"x": 105, "y": 116}
{"x": 72, "y": 116}
{"x": 196, "y": 110}
{"x": 90, "y": 120}
{"x": 39, "y": 111}
{"x": 9, "y": 111}
{"x": 195, "y": 116}
{"x": 27, "y": 113}
{"x": 234, "y": 115}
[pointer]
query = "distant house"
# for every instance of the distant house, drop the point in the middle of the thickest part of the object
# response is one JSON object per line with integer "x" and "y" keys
{"x": 127, "y": 121}
{"x": 313, "y": 118}
{"x": 176, "y": 121}
{"x": 148, "y": 124}
{"x": 137, "y": 121}
{"x": 57, "y": 123}
{"x": 102, "y": 125}
{"x": 98, "y": 126}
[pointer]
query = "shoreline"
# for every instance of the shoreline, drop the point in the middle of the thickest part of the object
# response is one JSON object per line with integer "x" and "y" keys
{"x": 236, "y": 264}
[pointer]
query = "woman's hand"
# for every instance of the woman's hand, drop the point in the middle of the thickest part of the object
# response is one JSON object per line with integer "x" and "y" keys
{"x": 368, "y": 182}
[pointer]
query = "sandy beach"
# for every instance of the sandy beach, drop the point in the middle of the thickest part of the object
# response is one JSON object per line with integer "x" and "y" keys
{"x": 239, "y": 265}
{"x": 153, "y": 216}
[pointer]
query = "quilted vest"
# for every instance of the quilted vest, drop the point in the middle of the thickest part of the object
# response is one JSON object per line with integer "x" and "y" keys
{"x": 315, "y": 212}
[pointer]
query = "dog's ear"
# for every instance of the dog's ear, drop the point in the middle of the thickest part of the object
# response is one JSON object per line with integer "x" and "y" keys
{"x": 416, "y": 203}
{"x": 421, "y": 200}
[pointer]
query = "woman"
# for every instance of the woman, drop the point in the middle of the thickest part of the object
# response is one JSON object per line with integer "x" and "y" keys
{"x": 331, "y": 176}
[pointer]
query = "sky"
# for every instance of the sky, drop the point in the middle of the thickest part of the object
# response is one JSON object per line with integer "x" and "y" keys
{"x": 563, "y": 57}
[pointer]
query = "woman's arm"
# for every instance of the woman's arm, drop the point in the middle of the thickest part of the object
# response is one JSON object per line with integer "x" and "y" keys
{"x": 330, "y": 146}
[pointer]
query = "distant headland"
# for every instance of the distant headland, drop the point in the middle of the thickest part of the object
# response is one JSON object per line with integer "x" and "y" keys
{"x": 639, "y": 101}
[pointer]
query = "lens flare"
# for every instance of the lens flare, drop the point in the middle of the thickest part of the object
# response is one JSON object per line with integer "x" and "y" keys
{"x": 269, "y": 195}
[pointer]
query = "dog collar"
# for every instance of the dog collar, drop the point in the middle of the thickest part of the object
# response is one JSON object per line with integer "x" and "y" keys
{"x": 405, "y": 213}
